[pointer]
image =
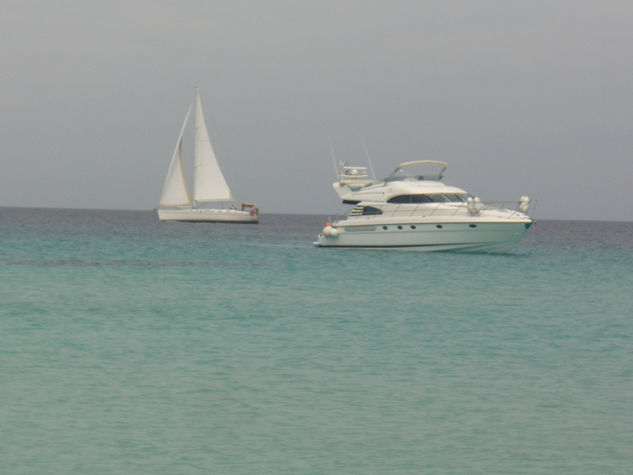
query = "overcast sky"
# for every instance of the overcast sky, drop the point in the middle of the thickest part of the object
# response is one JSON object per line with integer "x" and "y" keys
{"x": 519, "y": 97}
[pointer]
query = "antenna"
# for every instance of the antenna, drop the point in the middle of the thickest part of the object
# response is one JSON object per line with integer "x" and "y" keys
{"x": 371, "y": 165}
{"x": 333, "y": 157}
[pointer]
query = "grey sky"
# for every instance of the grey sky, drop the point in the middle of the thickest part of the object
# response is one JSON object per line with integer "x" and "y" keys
{"x": 518, "y": 97}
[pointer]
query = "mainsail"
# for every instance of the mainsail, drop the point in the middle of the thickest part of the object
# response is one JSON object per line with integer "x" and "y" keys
{"x": 175, "y": 189}
{"x": 208, "y": 182}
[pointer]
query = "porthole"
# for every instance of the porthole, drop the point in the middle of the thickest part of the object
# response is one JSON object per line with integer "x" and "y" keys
{"x": 385, "y": 228}
{"x": 413, "y": 226}
{"x": 399, "y": 227}
{"x": 472, "y": 225}
{"x": 438, "y": 226}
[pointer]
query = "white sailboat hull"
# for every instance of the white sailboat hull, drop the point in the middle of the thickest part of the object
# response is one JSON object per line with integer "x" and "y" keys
{"x": 208, "y": 215}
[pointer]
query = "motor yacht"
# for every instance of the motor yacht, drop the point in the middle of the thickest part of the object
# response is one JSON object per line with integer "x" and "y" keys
{"x": 412, "y": 208}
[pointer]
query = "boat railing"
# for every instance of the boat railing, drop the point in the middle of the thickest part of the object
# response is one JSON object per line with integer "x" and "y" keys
{"x": 514, "y": 207}
{"x": 507, "y": 209}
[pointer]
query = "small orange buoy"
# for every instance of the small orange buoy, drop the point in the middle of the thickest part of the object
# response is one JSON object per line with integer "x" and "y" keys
{"x": 328, "y": 223}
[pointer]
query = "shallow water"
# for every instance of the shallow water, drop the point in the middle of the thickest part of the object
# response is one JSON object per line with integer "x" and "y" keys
{"x": 133, "y": 346}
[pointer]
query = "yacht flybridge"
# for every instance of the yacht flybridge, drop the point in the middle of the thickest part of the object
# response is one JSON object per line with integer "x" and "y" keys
{"x": 413, "y": 209}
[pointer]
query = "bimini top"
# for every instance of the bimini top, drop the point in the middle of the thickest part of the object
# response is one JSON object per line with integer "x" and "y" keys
{"x": 400, "y": 174}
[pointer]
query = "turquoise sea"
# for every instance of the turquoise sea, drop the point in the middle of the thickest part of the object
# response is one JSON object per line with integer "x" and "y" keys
{"x": 133, "y": 346}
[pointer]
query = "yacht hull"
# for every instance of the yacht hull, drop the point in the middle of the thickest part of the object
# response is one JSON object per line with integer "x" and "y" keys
{"x": 208, "y": 215}
{"x": 472, "y": 236}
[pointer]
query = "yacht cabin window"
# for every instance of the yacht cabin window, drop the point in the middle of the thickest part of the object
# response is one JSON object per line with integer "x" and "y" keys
{"x": 428, "y": 198}
{"x": 370, "y": 210}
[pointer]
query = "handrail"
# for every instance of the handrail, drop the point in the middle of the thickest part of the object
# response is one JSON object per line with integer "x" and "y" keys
{"x": 451, "y": 209}
{"x": 421, "y": 162}
{"x": 394, "y": 174}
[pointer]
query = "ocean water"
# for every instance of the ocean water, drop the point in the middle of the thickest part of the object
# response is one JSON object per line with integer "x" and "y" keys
{"x": 133, "y": 346}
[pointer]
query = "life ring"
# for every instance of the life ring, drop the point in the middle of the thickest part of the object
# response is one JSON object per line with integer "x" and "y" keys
{"x": 252, "y": 212}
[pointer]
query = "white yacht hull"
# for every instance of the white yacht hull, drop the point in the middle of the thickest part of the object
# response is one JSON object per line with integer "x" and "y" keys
{"x": 208, "y": 215}
{"x": 495, "y": 236}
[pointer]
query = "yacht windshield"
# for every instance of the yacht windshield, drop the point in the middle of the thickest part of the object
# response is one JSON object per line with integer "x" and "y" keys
{"x": 455, "y": 197}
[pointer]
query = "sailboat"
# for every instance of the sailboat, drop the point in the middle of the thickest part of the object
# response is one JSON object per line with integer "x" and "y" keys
{"x": 209, "y": 183}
